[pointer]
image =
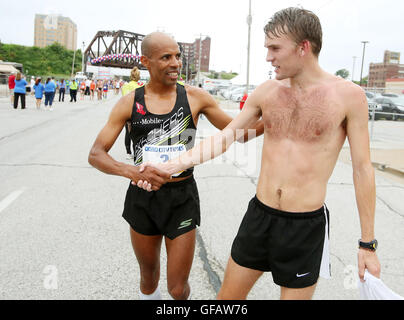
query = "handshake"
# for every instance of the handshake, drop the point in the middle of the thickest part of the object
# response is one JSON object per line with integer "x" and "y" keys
{"x": 152, "y": 176}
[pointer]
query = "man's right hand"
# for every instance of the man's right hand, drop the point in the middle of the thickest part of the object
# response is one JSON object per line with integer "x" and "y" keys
{"x": 150, "y": 178}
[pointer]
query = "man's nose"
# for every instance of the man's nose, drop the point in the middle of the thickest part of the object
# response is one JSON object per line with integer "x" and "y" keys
{"x": 270, "y": 57}
{"x": 175, "y": 62}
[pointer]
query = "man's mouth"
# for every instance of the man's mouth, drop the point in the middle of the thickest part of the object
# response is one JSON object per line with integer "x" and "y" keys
{"x": 173, "y": 74}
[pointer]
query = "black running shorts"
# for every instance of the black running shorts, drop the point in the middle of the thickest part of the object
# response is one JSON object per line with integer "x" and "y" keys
{"x": 290, "y": 245}
{"x": 170, "y": 211}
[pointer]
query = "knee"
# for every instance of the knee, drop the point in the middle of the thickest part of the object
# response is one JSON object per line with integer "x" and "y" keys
{"x": 178, "y": 291}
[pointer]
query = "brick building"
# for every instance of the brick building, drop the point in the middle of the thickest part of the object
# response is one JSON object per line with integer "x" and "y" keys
{"x": 191, "y": 51}
{"x": 390, "y": 68}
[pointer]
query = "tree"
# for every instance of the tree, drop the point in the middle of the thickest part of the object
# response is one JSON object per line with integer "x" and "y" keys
{"x": 343, "y": 73}
{"x": 51, "y": 60}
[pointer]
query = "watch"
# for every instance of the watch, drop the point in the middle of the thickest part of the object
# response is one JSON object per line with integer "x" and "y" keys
{"x": 372, "y": 245}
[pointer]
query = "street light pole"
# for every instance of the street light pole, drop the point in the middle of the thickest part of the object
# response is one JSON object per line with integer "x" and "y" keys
{"x": 353, "y": 67}
{"x": 82, "y": 59}
{"x": 363, "y": 58}
{"x": 249, "y": 20}
{"x": 74, "y": 57}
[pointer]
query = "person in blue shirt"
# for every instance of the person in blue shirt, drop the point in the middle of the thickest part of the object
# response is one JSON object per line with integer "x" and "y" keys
{"x": 19, "y": 91}
{"x": 62, "y": 89}
{"x": 50, "y": 89}
{"x": 39, "y": 90}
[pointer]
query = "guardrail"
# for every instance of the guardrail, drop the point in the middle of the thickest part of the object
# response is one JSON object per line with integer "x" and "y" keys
{"x": 373, "y": 109}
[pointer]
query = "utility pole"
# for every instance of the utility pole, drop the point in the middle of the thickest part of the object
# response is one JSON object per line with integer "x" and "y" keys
{"x": 363, "y": 58}
{"x": 353, "y": 67}
{"x": 74, "y": 57}
{"x": 249, "y": 21}
{"x": 82, "y": 59}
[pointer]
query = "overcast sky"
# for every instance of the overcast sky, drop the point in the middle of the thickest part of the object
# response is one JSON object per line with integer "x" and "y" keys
{"x": 345, "y": 24}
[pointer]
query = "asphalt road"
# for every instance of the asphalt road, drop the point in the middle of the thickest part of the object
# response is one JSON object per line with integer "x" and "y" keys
{"x": 62, "y": 235}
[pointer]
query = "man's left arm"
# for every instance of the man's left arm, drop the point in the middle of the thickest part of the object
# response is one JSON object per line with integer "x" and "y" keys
{"x": 363, "y": 177}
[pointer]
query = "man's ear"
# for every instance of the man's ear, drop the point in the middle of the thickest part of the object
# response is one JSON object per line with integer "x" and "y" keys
{"x": 305, "y": 47}
{"x": 144, "y": 60}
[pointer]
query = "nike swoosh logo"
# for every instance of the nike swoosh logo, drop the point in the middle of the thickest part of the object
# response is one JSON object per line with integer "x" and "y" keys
{"x": 302, "y": 275}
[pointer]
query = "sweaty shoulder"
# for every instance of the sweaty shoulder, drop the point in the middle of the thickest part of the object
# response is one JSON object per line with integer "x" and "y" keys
{"x": 351, "y": 94}
{"x": 268, "y": 87}
{"x": 264, "y": 93}
{"x": 198, "y": 98}
{"x": 125, "y": 104}
{"x": 195, "y": 92}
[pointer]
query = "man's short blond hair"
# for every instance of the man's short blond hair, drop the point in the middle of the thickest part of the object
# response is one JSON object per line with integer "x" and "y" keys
{"x": 299, "y": 24}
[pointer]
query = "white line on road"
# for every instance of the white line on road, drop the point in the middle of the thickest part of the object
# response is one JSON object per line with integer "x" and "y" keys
{"x": 10, "y": 198}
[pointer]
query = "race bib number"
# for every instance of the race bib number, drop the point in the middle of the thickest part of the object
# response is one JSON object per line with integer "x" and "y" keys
{"x": 161, "y": 154}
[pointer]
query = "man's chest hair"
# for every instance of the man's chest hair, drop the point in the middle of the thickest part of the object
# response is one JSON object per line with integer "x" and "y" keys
{"x": 309, "y": 117}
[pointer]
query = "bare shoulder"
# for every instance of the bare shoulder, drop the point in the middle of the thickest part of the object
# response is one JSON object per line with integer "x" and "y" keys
{"x": 351, "y": 96}
{"x": 265, "y": 93}
{"x": 123, "y": 107}
{"x": 197, "y": 93}
{"x": 199, "y": 99}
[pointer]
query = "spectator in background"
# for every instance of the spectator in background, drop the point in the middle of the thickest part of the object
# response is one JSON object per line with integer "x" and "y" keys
{"x": 19, "y": 91}
{"x": 117, "y": 86}
{"x": 130, "y": 86}
{"x": 82, "y": 89}
{"x": 243, "y": 99}
{"x": 27, "y": 86}
{"x": 32, "y": 85}
{"x": 50, "y": 89}
{"x": 56, "y": 87}
{"x": 105, "y": 89}
{"x": 73, "y": 90}
{"x": 88, "y": 83}
{"x": 11, "y": 85}
{"x": 62, "y": 90}
{"x": 92, "y": 89}
{"x": 99, "y": 90}
{"x": 67, "y": 86}
{"x": 39, "y": 89}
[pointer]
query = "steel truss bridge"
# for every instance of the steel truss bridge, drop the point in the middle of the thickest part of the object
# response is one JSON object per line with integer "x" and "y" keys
{"x": 119, "y": 49}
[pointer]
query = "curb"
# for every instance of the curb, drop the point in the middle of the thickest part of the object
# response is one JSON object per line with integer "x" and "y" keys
{"x": 386, "y": 168}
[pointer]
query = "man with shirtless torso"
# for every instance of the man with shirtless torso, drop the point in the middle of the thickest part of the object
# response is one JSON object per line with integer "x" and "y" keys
{"x": 307, "y": 114}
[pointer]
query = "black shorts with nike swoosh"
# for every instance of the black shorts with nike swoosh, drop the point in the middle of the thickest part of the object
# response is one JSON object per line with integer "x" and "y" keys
{"x": 288, "y": 244}
{"x": 170, "y": 211}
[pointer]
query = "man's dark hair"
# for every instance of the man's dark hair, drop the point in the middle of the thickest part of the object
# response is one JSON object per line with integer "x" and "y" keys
{"x": 299, "y": 24}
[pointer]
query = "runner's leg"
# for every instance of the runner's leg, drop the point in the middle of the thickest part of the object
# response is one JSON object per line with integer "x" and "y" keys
{"x": 297, "y": 294}
{"x": 237, "y": 281}
{"x": 147, "y": 251}
{"x": 180, "y": 254}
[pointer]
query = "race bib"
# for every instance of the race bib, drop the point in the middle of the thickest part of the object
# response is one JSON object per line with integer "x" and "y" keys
{"x": 161, "y": 154}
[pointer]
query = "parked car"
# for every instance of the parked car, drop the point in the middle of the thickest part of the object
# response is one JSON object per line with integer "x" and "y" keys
{"x": 238, "y": 96}
{"x": 237, "y": 93}
{"x": 390, "y": 95}
{"x": 373, "y": 105}
{"x": 228, "y": 92}
{"x": 372, "y": 95}
{"x": 392, "y": 105}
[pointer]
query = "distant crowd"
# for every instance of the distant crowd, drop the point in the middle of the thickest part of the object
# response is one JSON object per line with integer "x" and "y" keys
{"x": 19, "y": 87}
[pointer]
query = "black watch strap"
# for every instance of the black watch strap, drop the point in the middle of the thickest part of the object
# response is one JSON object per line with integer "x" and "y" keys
{"x": 372, "y": 245}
